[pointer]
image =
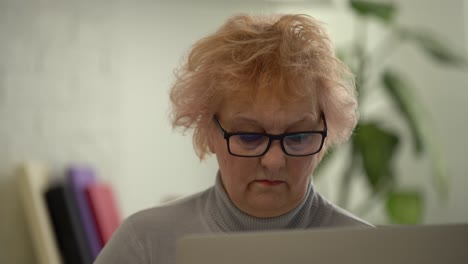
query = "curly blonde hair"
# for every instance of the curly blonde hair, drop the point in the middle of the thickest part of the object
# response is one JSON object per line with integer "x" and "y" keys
{"x": 289, "y": 55}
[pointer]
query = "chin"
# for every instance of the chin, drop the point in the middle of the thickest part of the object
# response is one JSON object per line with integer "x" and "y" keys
{"x": 269, "y": 208}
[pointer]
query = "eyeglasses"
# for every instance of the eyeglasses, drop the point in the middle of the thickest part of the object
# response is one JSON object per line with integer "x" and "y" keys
{"x": 301, "y": 143}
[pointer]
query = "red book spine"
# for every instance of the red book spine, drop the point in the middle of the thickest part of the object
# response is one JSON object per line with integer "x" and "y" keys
{"x": 104, "y": 210}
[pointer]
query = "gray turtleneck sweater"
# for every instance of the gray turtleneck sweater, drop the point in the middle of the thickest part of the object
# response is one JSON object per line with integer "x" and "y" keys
{"x": 149, "y": 236}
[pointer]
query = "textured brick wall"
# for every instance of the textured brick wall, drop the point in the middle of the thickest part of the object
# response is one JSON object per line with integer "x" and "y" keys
{"x": 60, "y": 99}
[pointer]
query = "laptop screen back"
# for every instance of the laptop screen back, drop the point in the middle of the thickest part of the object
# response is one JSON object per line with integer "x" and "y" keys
{"x": 397, "y": 244}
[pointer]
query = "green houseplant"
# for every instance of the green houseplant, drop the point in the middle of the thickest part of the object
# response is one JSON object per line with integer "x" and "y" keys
{"x": 373, "y": 147}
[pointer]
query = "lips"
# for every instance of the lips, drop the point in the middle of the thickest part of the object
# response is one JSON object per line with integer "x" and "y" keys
{"x": 269, "y": 183}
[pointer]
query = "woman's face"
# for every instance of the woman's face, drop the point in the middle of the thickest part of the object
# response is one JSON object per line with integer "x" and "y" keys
{"x": 274, "y": 183}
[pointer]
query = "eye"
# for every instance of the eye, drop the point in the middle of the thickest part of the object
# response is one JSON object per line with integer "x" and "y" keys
{"x": 248, "y": 141}
{"x": 298, "y": 138}
{"x": 251, "y": 138}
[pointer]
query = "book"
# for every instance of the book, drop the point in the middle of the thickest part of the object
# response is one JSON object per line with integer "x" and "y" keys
{"x": 79, "y": 178}
{"x": 104, "y": 208}
{"x": 33, "y": 179}
{"x": 67, "y": 225}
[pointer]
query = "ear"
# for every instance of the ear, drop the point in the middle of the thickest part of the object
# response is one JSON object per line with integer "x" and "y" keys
{"x": 211, "y": 140}
{"x": 322, "y": 152}
{"x": 211, "y": 145}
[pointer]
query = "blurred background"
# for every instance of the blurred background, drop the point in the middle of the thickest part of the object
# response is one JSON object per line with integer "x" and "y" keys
{"x": 87, "y": 82}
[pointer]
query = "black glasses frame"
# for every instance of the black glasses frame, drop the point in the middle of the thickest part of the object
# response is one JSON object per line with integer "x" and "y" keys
{"x": 272, "y": 137}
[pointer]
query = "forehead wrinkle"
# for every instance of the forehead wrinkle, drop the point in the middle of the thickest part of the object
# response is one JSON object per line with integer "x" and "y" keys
{"x": 279, "y": 122}
{"x": 269, "y": 112}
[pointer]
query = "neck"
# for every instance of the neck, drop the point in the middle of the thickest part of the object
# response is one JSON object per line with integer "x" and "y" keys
{"x": 226, "y": 216}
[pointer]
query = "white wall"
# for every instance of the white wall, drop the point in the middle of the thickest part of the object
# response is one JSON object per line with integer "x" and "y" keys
{"x": 88, "y": 81}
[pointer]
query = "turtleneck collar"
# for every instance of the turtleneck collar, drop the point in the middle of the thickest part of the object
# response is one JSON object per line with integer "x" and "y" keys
{"x": 223, "y": 215}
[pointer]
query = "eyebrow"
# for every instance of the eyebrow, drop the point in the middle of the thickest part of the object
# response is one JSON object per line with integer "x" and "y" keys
{"x": 305, "y": 118}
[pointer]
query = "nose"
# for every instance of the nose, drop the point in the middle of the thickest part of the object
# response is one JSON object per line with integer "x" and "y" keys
{"x": 274, "y": 160}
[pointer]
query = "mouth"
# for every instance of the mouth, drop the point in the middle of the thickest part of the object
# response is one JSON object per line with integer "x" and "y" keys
{"x": 269, "y": 183}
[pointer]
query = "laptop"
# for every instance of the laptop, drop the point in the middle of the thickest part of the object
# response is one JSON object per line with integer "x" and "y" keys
{"x": 428, "y": 244}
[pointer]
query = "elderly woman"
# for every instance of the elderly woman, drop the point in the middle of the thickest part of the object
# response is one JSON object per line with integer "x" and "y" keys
{"x": 268, "y": 97}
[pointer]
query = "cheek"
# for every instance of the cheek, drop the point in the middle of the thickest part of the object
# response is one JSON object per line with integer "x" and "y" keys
{"x": 303, "y": 167}
{"x": 236, "y": 172}
{"x": 228, "y": 164}
{"x": 237, "y": 168}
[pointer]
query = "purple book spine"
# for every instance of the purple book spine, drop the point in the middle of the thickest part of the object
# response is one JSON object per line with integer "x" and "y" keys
{"x": 79, "y": 178}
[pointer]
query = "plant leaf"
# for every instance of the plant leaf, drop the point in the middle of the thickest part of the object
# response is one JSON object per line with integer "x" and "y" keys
{"x": 439, "y": 167}
{"x": 405, "y": 207}
{"x": 407, "y": 104}
{"x": 377, "y": 148}
{"x": 423, "y": 138}
{"x": 382, "y": 11}
{"x": 434, "y": 47}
